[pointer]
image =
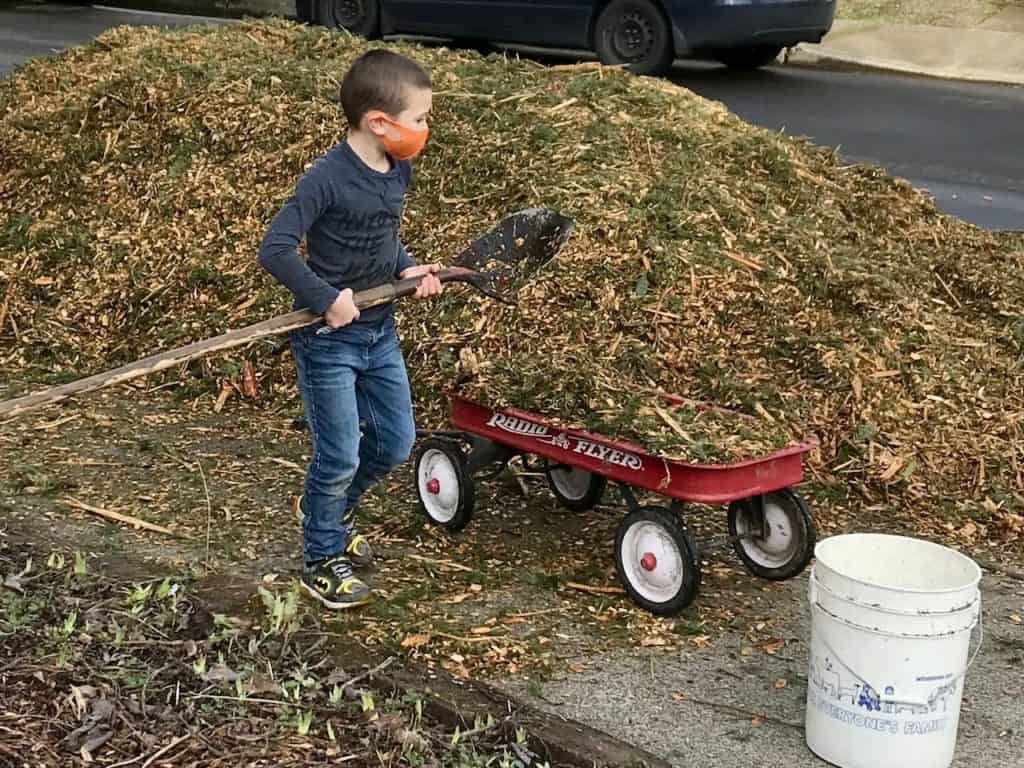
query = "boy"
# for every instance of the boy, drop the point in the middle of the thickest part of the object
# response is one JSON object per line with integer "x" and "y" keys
{"x": 349, "y": 367}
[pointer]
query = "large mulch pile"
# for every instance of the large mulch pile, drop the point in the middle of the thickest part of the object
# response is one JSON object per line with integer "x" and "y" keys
{"x": 714, "y": 260}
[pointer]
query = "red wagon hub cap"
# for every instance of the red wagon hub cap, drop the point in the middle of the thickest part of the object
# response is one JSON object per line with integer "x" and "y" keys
{"x": 434, "y": 486}
{"x": 648, "y": 562}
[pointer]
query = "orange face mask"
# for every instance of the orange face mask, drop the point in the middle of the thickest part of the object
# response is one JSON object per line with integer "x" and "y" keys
{"x": 410, "y": 141}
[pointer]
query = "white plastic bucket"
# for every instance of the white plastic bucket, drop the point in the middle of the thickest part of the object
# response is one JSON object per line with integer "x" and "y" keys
{"x": 891, "y": 623}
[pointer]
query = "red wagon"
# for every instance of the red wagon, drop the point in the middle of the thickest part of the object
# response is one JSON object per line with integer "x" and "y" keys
{"x": 770, "y": 525}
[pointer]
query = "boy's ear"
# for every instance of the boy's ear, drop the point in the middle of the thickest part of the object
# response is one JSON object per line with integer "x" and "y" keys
{"x": 376, "y": 122}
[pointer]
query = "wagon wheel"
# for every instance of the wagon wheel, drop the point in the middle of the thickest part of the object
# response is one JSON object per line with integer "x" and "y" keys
{"x": 445, "y": 488}
{"x": 657, "y": 560}
{"x": 576, "y": 489}
{"x": 785, "y": 546}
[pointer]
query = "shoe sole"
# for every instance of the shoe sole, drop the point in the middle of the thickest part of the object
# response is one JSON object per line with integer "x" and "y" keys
{"x": 336, "y": 606}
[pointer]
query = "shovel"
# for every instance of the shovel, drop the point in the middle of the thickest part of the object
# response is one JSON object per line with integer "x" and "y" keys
{"x": 492, "y": 265}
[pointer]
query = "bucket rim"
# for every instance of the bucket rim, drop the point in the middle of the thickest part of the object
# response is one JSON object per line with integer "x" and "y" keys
{"x": 973, "y": 605}
{"x": 905, "y": 590}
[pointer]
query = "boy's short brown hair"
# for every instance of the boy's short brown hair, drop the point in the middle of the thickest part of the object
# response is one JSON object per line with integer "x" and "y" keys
{"x": 377, "y": 80}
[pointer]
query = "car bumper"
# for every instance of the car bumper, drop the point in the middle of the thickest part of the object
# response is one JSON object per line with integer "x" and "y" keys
{"x": 743, "y": 23}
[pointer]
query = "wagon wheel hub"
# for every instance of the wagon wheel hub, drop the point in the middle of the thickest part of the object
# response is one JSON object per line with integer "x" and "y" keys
{"x": 648, "y": 562}
{"x": 434, "y": 486}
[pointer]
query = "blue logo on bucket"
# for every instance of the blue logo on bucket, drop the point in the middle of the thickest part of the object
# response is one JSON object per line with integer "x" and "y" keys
{"x": 828, "y": 683}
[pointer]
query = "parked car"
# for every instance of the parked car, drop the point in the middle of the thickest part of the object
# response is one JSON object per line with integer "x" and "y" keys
{"x": 647, "y": 35}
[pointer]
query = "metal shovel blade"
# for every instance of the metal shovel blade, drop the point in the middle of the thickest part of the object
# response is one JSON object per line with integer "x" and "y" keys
{"x": 524, "y": 241}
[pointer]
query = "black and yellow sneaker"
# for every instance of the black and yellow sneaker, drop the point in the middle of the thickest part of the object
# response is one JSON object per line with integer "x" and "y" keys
{"x": 333, "y": 583}
{"x": 358, "y": 549}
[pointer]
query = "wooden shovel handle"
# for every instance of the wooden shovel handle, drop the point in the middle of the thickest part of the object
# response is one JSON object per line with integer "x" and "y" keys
{"x": 163, "y": 360}
{"x": 384, "y": 294}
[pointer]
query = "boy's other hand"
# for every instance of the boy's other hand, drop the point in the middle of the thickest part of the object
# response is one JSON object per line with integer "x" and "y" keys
{"x": 429, "y": 285}
{"x": 343, "y": 311}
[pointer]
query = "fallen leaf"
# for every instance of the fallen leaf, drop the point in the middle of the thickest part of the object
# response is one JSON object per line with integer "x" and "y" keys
{"x": 43, "y": 281}
{"x": 680, "y": 696}
{"x": 894, "y": 467}
{"x": 476, "y": 588}
{"x": 13, "y": 581}
{"x": 772, "y": 647}
{"x": 781, "y": 683}
{"x": 337, "y": 677}
{"x": 758, "y": 721}
{"x": 653, "y": 642}
{"x": 416, "y": 641}
{"x": 1016, "y": 619}
{"x": 261, "y": 683}
{"x": 221, "y": 673}
{"x": 968, "y": 531}
{"x": 456, "y": 599}
{"x": 481, "y": 630}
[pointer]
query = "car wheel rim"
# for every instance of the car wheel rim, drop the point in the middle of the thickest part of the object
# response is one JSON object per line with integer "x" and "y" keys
{"x": 778, "y": 546}
{"x": 347, "y": 13}
{"x": 570, "y": 482}
{"x": 439, "y": 486}
{"x": 652, "y": 562}
{"x": 633, "y": 37}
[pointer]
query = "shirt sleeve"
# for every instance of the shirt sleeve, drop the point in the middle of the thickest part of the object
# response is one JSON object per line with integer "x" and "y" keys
{"x": 278, "y": 252}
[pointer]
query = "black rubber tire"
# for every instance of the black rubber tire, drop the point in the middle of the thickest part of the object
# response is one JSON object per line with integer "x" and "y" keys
{"x": 801, "y": 524}
{"x": 637, "y": 33}
{"x": 360, "y": 17}
{"x": 748, "y": 58}
{"x": 304, "y": 11}
{"x": 684, "y": 542}
{"x": 467, "y": 488}
{"x": 589, "y": 500}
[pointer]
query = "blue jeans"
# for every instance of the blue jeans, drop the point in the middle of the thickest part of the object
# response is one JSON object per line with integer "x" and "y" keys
{"x": 350, "y": 376}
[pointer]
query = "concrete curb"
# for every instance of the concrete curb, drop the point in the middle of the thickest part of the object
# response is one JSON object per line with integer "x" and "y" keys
{"x": 977, "y": 55}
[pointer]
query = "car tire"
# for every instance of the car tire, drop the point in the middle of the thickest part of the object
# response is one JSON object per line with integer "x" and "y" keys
{"x": 304, "y": 11}
{"x": 360, "y": 17}
{"x": 753, "y": 57}
{"x": 636, "y": 33}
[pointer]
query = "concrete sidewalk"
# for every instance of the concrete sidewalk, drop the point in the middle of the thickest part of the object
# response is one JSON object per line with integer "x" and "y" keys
{"x": 732, "y": 704}
{"x": 993, "y": 52}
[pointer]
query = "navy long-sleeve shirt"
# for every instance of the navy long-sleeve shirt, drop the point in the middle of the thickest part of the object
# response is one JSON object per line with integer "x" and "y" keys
{"x": 349, "y": 214}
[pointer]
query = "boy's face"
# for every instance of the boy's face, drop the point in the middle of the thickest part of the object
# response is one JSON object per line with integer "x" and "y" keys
{"x": 418, "y": 102}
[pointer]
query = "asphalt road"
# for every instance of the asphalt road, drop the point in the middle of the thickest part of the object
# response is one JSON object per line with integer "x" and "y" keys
{"x": 963, "y": 142}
